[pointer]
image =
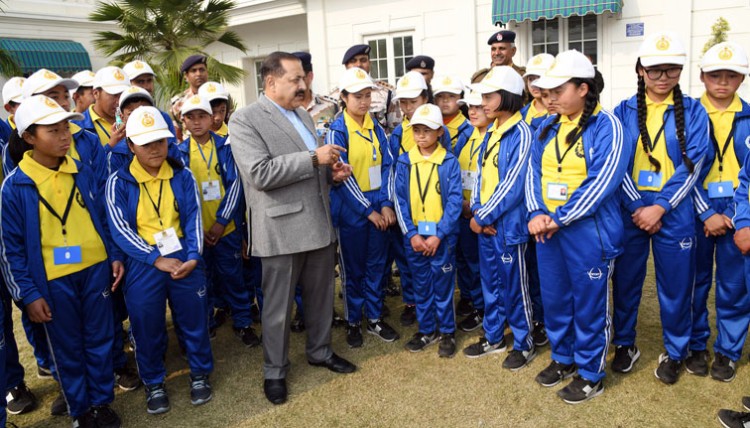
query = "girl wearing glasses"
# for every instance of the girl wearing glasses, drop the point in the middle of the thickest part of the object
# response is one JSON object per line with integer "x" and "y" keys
{"x": 668, "y": 134}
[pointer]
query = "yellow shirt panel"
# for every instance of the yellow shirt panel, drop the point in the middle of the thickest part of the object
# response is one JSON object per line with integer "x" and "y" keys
{"x": 573, "y": 166}
{"x": 152, "y": 189}
{"x": 101, "y": 125}
{"x": 223, "y": 131}
{"x": 364, "y": 150}
{"x": 533, "y": 112}
{"x": 490, "y": 175}
{"x": 654, "y": 121}
{"x": 467, "y": 159}
{"x": 722, "y": 125}
{"x": 453, "y": 125}
{"x": 407, "y": 137}
{"x": 72, "y": 151}
{"x": 55, "y": 187}
{"x": 205, "y": 168}
{"x": 432, "y": 208}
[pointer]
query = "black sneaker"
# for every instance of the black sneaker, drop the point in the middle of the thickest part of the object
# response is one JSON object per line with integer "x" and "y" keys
{"x": 392, "y": 290}
{"x": 696, "y": 363}
{"x": 539, "y": 334}
{"x": 464, "y": 308}
{"x": 354, "y": 335}
{"x": 471, "y": 322}
{"x": 43, "y": 372}
{"x": 580, "y": 390}
{"x": 20, "y": 400}
{"x": 732, "y": 419}
{"x": 105, "y": 417}
{"x": 409, "y": 315}
{"x": 127, "y": 379}
{"x": 338, "y": 320}
{"x": 157, "y": 401}
{"x": 220, "y": 317}
{"x": 484, "y": 347}
{"x": 420, "y": 341}
{"x": 516, "y": 360}
{"x": 200, "y": 390}
{"x": 298, "y": 324}
{"x": 447, "y": 346}
{"x": 59, "y": 407}
{"x": 625, "y": 357}
{"x": 247, "y": 336}
{"x": 382, "y": 330}
{"x": 723, "y": 368}
{"x": 668, "y": 370}
{"x": 86, "y": 420}
{"x": 555, "y": 373}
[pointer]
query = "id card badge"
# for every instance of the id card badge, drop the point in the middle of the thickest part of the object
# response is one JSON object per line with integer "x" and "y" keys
{"x": 557, "y": 191}
{"x": 427, "y": 228}
{"x": 376, "y": 179}
{"x": 67, "y": 255}
{"x": 167, "y": 242}
{"x": 211, "y": 190}
{"x": 649, "y": 179}
{"x": 721, "y": 189}
{"x": 468, "y": 178}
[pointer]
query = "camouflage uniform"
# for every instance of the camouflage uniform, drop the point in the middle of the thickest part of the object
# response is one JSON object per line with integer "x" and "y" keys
{"x": 384, "y": 107}
{"x": 323, "y": 110}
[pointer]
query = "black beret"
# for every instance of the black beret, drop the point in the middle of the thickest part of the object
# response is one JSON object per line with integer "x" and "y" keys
{"x": 306, "y": 59}
{"x": 354, "y": 51}
{"x": 191, "y": 61}
{"x": 420, "y": 61}
{"x": 502, "y": 36}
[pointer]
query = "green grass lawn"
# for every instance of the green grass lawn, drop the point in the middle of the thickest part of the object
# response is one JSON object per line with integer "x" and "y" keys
{"x": 394, "y": 387}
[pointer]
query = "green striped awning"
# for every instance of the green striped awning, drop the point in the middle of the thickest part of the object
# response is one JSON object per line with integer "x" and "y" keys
{"x": 534, "y": 10}
{"x": 60, "y": 56}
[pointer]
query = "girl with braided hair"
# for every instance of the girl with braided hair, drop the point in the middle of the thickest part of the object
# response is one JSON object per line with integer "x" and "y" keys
{"x": 572, "y": 195}
{"x": 668, "y": 133}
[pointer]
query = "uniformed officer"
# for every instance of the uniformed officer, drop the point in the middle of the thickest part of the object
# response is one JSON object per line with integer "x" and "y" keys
{"x": 502, "y": 49}
{"x": 425, "y": 66}
{"x": 322, "y": 108}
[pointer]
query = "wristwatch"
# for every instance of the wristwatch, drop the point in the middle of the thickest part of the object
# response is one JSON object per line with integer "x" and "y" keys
{"x": 314, "y": 158}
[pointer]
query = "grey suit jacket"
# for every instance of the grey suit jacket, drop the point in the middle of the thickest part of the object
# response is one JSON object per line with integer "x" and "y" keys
{"x": 287, "y": 198}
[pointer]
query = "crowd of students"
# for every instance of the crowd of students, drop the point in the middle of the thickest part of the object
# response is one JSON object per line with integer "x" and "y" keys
{"x": 519, "y": 189}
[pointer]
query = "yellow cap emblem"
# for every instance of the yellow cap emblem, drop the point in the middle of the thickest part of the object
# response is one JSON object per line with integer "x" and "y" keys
{"x": 132, "y": 89}
{"x": 211, "y": 88}
{"x": 425, "y": 111}
{"x": 537, "y": 60}
{"x": 50, "y": 103}
{"x": 726, "y": 53}
{"x": 195, "y": 100}
{"x": 404, "y": 82}
{"x": 360, "y": 75}
{"x": 447, "y": 81}
{"x": 50, "y": 75}
{"x": 147, "y": 120}
{"x": 138, "y": 65}
{"x": 118, "y": 75}
{"x": 662, "y": 44}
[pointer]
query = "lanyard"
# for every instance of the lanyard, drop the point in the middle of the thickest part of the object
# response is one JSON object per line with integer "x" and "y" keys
{"x": 64, "y": 218}
{"x": 653, "y": 142}
{"x": 720, "y": 152}
{"x": 560, "y": 159}
{"x": 372, "y": 143}
{"x": 156, "y": 206}
{"x": 210, "y": 158}
{"x": 423, "y": 191}
{"x": 473, "y": 151}
{"x": 488, "y": 152}
{"x": 102, "y": 128}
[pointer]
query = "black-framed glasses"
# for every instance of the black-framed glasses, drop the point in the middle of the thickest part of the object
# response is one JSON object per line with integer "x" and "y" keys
{"x": 656, "y": 73}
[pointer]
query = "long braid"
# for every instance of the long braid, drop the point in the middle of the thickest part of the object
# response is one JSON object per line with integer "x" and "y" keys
{"x": 592, "y": 99}
{"x": 679, "y": 120}
{"x": 545, "y": 130}
{"x": 642, "y": 111}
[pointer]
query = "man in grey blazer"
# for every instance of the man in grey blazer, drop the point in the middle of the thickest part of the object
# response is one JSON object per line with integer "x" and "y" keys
{"x": 286, "y": 173}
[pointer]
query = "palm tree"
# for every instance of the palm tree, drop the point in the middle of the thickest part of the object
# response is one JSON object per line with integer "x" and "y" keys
{"x": 8, "y": 65}
{"x": 164, "y": 33}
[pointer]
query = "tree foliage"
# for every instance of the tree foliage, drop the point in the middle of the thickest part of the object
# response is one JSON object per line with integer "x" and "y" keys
{"x": 165, "y": 32}
{"x": 718, "y": 33}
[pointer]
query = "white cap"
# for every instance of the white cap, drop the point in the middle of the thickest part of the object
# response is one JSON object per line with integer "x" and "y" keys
{"x": 84, "y": 78}
{"x": 354, "y": 80}
{"x": 135, "y": 91}
{"x": 473, "y": 98}
{"x": 146, "y": 125}
{"x": 135, "y": 68}
{"x": 213, "y": 91}
{"x": 44, "y": 80}
{"x": 428, "y": 115}
{"x": 501, "y": 77}
{"x": 664, "y": 47}
{"x": 41, "y": 110}
{"x": 410, "y": 85}
{"x": 539, "y": 64}
{"x": 13, "y": 90}
{"x": 725, "y": 56}
{"x": 196, "y": 102}
{"x": 112, "y": 79}
{"x": 568, "y": 65}
{"x": 451, "y": 84}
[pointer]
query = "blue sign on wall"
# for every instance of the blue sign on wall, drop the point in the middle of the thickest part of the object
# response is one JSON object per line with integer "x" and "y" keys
{"x": 635, "y": 29}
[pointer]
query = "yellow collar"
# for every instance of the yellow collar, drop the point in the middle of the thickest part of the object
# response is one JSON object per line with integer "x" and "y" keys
{"x": 437, "y": 157}
{"x": 223, "y": 131}
{"x": 533, "y": 112}
{"x": 352, "y": 125}
{"x": 668, "y": 101}
{"x": 73, "y": 128}
{"x": 502, "y": 129}
{"x": 566, "y": 119}
{"x": 735, "y": 106}
{"x": 142, "y": 176}
{"x": 40, "y": 173}
{"x": 12, "y": 121}
{"x": 456, "y": 121}
{"x": 405, "y": 123}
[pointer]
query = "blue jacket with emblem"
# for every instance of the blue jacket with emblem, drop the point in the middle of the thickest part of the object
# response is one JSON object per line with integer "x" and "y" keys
{"x": 22, "y": 262}
{"x": 123, "y": 192}
{"x": 535, "y": 122}
{"x": 88, "y": 124}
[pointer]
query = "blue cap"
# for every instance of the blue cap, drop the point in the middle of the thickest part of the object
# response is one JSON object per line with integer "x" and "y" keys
{"x": 354, "y": 51}
{"x": 503, "y": 36}
{"x": 306, "y": 59}
{"x": 191, "y": 61}
{"x": 420, "y": 61}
